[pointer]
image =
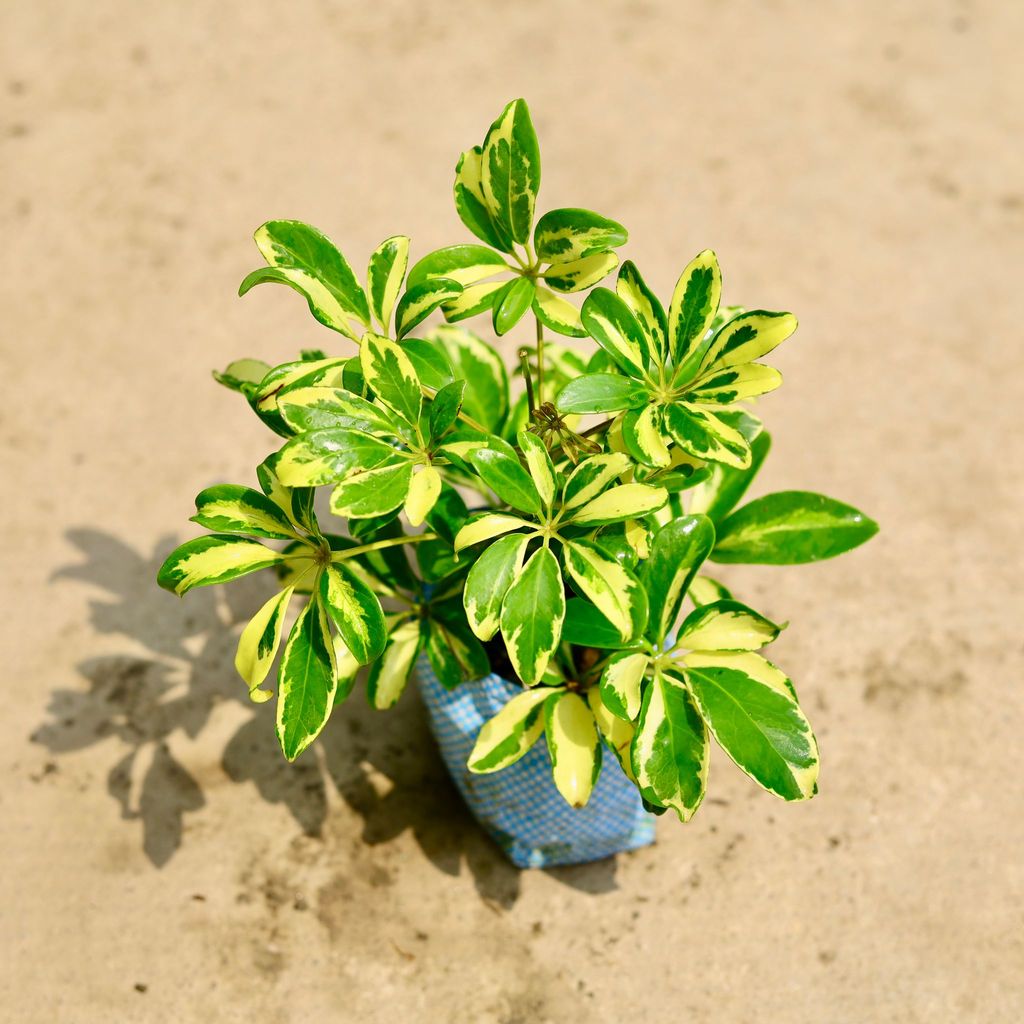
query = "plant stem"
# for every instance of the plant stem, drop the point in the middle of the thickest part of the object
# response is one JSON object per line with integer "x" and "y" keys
{"x": 540, "y": 359}
{"x": 524, "y": 360}
{"x": 390, "y": 542}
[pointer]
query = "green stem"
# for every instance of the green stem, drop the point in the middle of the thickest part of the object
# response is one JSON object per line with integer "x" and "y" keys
{"x": 524, "y": 360}
{"x": 540, "y": 359}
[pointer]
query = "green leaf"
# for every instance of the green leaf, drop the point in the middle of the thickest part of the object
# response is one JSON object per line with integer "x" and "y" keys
{"x": 621, "y": 683}
{"x": 722, "y": 489}
{"x": 466, "y": 264}
{"x": 431, "y": 366}
{"x": 506, "y": 737}
{"x": 600, "y": 392}
{"x": 585, "y": 626}
{"x": 445, "y": 407}
{"x": 421, "y": 300}
{"x": 609, "y": 585}
{"x": 557, "y": 314}
{"x": 455, "y": 654}
{"x": 726, "y": 626}
{"x": 789, "y": 528}
{"x": 384, "y": 277}
{"x": 514, "y": 299}
{"x": 678, "y": 551}
{"x": 699, "y": 432}
{"x": 645, "y": 306}
{"x": 747, "y": 337}
{"x": 567, "y": 235}
{"x": 355, "y": 610}
{"x": 258, "y": 644}
{"x": 471, "y": 204}
{"x": 510, "y": 170}
{"x": 324, "y": 456}
{"x": 473, "y": 360}
{"x": 306, "y": 260}
{"x": 230, "y": 508}
{"x": 611, "y": 324}
{"x": 580, "y": 274}
{"x": 531, "y": 616}
{"x": 574, "y": 746}
{"x": 389, "y": 373}
{"x": 760, "y": 727}
{"x": 499, "y": 467}
{"x": 488, "y": 582}
{"x": 694, "y": 304}
{"x": 320, "y": 408}
{"x": 214, "y": 558}
{"x": 373, "y": 492}
{"x": 307, "y": 682}
{"x": 390, "y": 673}
{"x": 538, "y": 463}
{"x": 670, "y": 752}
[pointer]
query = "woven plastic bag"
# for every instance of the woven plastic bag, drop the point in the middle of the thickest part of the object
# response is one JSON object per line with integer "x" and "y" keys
{"x": 519, "y": 806}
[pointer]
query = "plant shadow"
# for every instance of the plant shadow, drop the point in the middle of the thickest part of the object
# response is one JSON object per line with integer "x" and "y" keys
{"x": 177, "y": 666}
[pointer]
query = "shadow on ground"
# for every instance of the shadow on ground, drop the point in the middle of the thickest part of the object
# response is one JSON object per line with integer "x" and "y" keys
{"x": 392, "y": 776}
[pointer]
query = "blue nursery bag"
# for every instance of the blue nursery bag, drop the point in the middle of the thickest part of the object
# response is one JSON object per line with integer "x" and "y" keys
{"x": 519, "y": 805}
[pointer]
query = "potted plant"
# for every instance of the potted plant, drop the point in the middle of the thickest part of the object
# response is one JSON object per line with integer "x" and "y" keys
{"x": 539, "y": 555}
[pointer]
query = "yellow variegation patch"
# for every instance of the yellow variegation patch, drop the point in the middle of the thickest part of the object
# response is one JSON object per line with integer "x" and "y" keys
{"x": 258, "y": 644}
{"x": 615, "y": 732}
{"x": 621, "y": 502}
{"x": 423, "y": 493}
{"x": 485, "y": 528}
{"x": 510, "y": 733}
{"x": 574, "y": 747}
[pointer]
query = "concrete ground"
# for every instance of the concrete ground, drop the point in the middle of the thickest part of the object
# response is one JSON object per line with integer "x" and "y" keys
{"x": 857, "y": 162}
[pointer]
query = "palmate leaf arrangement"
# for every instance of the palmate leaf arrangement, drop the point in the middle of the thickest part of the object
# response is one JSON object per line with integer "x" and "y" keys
{"x": 571, "y": 570}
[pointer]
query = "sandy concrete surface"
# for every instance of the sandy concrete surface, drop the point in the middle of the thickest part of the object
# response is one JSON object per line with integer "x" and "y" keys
{"x": 859, "y": 163}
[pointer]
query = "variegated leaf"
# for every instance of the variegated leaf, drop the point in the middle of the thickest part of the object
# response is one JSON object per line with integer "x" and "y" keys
{"x": 532, "y": 614}
{"x": 719, "y": 493}
{"x": 610, "y": 322}
{"x": 705, "y": 590}
{"x": 557, "y": 314}
{"x": 389, "y": 373}
{"x": 760, "y": 727}
{"x": 424, "y": 489}
{"x": 488, "y": 582}
{"x": 242, "y": 374}
{"x": 617, "y": 734}
{"x": 751, "y": 664}
{"x": 307, "y": 682}
{"x": 538, "y": 463}
{"x": 574, "y": 746}
{"x": 421, "y": 300}
{"x": 694, "y": 304}
{"x": 258, "y": 644}
{"x": 580, "y": 274}
{"x": 626, "y": 501}
{"x": 704, "y": 435}
{"x": 644, "y": 438}
{"x": 355, "y": 611}
{"x": 486, "y": 527}
{"x": 567, "y": 235}
{"x": 390, "y": 672}
{"x": 324, "y": 456}
{"x": 230, "y": 508}
{"x": 680, "y": 548}
{"x": 591, "y": 477}
{"x": 645, "y": 306}
{"x": 472, "y": 205}
{"x": 608, "y": 585}
{"x": 510, "y": 170}
{"x": 374, "y": 492}
{"x": 726, "y": 626}
{"x": 319, "y": 408}
{"x": 499, "y": 467}
{"x": 466, "y": 264}
{"x": 729, "y": 384}
{"x": 215, "y": 558}
{"x": 670, "y": 752}
{"x": 747, "y": 337}
{"x": 510, "y": 733}
{"x": 385, "y": 275}
{"x": 474, "y": 299}
{"x": 621, "y": 683}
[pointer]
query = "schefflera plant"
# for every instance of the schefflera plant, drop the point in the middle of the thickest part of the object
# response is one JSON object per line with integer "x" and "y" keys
{"x": 556, "y": 536}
